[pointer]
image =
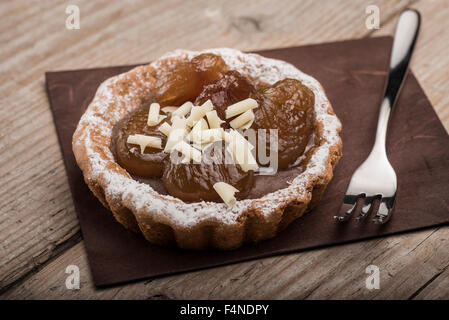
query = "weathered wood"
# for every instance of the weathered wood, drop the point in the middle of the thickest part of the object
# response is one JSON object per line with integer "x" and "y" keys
{"x": 436, "y": 288}
{"x": 406, "y": 262}
{"x": 37, "y": 215}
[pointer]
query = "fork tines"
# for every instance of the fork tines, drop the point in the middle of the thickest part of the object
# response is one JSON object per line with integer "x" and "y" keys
{"x": 365, "y": 205}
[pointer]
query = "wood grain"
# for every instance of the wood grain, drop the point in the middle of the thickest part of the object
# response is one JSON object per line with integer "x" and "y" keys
{"x": 38, "y": 223}
{"x": 407, "y": 263}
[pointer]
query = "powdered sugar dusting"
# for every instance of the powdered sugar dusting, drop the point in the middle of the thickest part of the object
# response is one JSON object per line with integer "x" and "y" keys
{"x": 111, "y": 104}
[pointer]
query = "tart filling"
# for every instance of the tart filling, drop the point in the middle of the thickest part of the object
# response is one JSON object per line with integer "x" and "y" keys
{"x": 204, "y": 131}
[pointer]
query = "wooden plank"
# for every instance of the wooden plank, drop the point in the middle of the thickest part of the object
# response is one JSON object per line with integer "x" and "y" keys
{"x": 436, "y": 288}
{"x": 406, "y": 263}
{"x": 242, "y": 25}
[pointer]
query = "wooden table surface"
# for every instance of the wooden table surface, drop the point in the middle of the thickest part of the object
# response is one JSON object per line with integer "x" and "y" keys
{"x": 40, "y": 234}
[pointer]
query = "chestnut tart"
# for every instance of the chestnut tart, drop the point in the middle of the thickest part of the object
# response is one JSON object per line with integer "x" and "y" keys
{"x": 177, "y": 149}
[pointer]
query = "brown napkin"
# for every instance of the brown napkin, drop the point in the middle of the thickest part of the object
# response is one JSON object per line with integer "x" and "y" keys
{"x": 353, "y": 74}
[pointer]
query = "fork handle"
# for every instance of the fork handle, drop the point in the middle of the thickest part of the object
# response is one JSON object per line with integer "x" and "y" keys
{"x": 404, "y": 41}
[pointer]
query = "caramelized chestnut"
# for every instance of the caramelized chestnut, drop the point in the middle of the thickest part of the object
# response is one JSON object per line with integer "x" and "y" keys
{"x": 286, "y": 106}
{"x": 232, "y": 87}
{"x": 183, "y": 81}
{"x": 147, "y": 164}
{"x": 194, "y": 181}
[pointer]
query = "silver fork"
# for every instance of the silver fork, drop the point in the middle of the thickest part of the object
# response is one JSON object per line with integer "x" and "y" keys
{"x": 375, "y": 179}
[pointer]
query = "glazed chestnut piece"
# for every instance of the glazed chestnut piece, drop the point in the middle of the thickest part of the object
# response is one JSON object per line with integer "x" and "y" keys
{"x": 229, "y": 89}
{"x": 183, "y": 81}
{"x": 194, "y": 181}
{"x": 209, "y": 67}
{"x": 148, "y": 164}
{"x": 288, "y": 106}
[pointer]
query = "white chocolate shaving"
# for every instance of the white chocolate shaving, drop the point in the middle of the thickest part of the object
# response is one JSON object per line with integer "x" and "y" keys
{"x": 233, "y": 135}
{"x": 202, "y": 147}
{"x": 242, "y": 155}
{"x": 183, "y": 110}
{"x": 176, "y": 135}
{"x": 201, "y": 125}
{"x": 165, "y": 128}
{"x": 153, "y": 114}
{"x": 213, "y": 119}
{"x": 169, "y": 109}
{"x": 144, "y": 141}
{"x": 210, "y": 135}
{"x": 241, "y": 107}
{"x": 199, "y": 112}
{"x": 247, "y": 125}
{"x": 179, "y": 122}
{"x": 226, "y": 192}
{"x": 189, "y": 152}
{"x": 243, "y": 119}
{"x": 208, "y": 105}
{"x": 195, "y": 134}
